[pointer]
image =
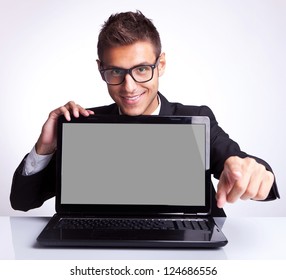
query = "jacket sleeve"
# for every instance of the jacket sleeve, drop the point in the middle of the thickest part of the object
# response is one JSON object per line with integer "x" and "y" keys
{"x": 28, "y": 192}
{"x": 222, "y": 147}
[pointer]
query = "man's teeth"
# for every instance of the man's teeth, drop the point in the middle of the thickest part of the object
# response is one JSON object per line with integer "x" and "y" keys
{"x": 133, "y": 97}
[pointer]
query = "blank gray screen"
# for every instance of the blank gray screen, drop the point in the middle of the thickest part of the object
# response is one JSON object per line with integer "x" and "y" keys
{"x": 158, "y": 164}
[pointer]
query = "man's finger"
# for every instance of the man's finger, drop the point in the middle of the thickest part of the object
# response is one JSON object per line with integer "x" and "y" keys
{"x": 265, "y": 186}
{"x": 225, "y": 185}
{"x": 221, "y": 194}
{"x": 238, "y": 189}
{"x": 230, "y": 175}
{"x": 254, "y": 183}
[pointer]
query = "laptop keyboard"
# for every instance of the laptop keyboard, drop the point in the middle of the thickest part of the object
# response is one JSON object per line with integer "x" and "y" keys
{"x": 136, "y": 224}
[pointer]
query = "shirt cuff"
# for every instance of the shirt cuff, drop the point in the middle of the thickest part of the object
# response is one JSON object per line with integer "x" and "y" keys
{"x": 35, "y": 163}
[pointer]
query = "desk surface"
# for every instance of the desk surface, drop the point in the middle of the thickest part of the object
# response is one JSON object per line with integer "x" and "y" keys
{"x": 249, "y": 238}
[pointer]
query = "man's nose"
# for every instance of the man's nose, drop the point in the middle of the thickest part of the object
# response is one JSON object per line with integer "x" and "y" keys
{"x": 129, "y": 83}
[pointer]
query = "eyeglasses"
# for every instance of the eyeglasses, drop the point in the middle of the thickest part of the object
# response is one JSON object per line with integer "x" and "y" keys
{"x": 140, "y": 74}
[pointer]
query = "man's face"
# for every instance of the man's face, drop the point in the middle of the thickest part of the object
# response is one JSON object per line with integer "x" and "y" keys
{"x": 134, "y": 98}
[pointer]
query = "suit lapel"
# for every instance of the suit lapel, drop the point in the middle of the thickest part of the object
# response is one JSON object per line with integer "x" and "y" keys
{"x": 167, "y": 108}
{"x": 115, "y": 110}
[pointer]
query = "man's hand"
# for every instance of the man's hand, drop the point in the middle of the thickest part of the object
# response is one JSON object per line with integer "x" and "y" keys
{"x": 47, "y": 141}
{"x": 243, "y": 178}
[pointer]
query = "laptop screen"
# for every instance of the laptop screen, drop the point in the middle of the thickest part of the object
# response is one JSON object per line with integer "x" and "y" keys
{"x": 153, "y": 161}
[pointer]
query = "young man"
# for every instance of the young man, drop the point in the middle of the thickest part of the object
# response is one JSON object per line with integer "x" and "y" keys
{"x": 131, "y": 63}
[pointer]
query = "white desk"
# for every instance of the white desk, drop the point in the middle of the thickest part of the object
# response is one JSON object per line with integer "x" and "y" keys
{"x": 249, "y": 238}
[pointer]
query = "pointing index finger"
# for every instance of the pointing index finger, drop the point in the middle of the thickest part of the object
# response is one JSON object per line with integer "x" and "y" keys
{"x": 230, "y": 175}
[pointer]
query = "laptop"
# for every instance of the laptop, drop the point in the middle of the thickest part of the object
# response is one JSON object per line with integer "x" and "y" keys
{"x": 133, "y": 182}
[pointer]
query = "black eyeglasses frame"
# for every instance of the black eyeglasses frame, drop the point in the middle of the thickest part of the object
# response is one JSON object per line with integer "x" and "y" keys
{"x": 129, "y": 71}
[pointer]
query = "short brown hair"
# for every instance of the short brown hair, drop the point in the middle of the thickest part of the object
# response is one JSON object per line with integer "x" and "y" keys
{"x": 127, "y": 28}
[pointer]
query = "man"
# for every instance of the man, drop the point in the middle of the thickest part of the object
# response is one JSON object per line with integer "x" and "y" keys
{"x": 131, "y": 63}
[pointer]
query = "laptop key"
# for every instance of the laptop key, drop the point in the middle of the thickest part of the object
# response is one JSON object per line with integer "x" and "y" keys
{"x": 204, "y": 226}
{"x": 193, "y": 225}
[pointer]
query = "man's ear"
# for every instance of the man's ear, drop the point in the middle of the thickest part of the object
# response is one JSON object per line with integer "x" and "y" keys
{"x": 99, "y": 64}
{"x": 162, "y": 64}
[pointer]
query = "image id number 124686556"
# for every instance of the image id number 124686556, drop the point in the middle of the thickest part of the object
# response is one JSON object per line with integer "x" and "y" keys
{"x": 204, "y": 270}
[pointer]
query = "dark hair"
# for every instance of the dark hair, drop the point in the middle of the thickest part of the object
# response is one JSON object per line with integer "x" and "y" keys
{"x": 125, "y": 29}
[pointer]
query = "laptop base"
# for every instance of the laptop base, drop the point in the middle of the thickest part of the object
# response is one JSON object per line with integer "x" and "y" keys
{"x": 131, "y": 238}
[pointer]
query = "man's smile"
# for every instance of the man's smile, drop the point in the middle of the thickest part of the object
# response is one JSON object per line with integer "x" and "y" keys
{"x": 132, "y": 99}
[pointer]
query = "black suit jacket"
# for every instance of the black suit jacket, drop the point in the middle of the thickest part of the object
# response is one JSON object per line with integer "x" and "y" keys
{"x": 29, "y": 192}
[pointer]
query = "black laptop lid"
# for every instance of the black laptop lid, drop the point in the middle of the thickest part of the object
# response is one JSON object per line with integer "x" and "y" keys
{"x": 133, "y": 165}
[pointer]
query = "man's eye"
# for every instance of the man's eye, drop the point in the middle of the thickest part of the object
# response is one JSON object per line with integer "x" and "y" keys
{"x": 116, "y": 72}
{"x": 142, "y": 69}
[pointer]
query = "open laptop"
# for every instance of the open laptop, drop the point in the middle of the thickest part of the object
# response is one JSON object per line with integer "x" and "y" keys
{"x": 133, "y": 182}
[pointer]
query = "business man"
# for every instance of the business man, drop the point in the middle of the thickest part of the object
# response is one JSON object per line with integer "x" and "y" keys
{"x": 130, "y": 61}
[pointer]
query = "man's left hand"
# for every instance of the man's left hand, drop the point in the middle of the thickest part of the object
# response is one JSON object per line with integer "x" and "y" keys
{"x": 243, "y": 178}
